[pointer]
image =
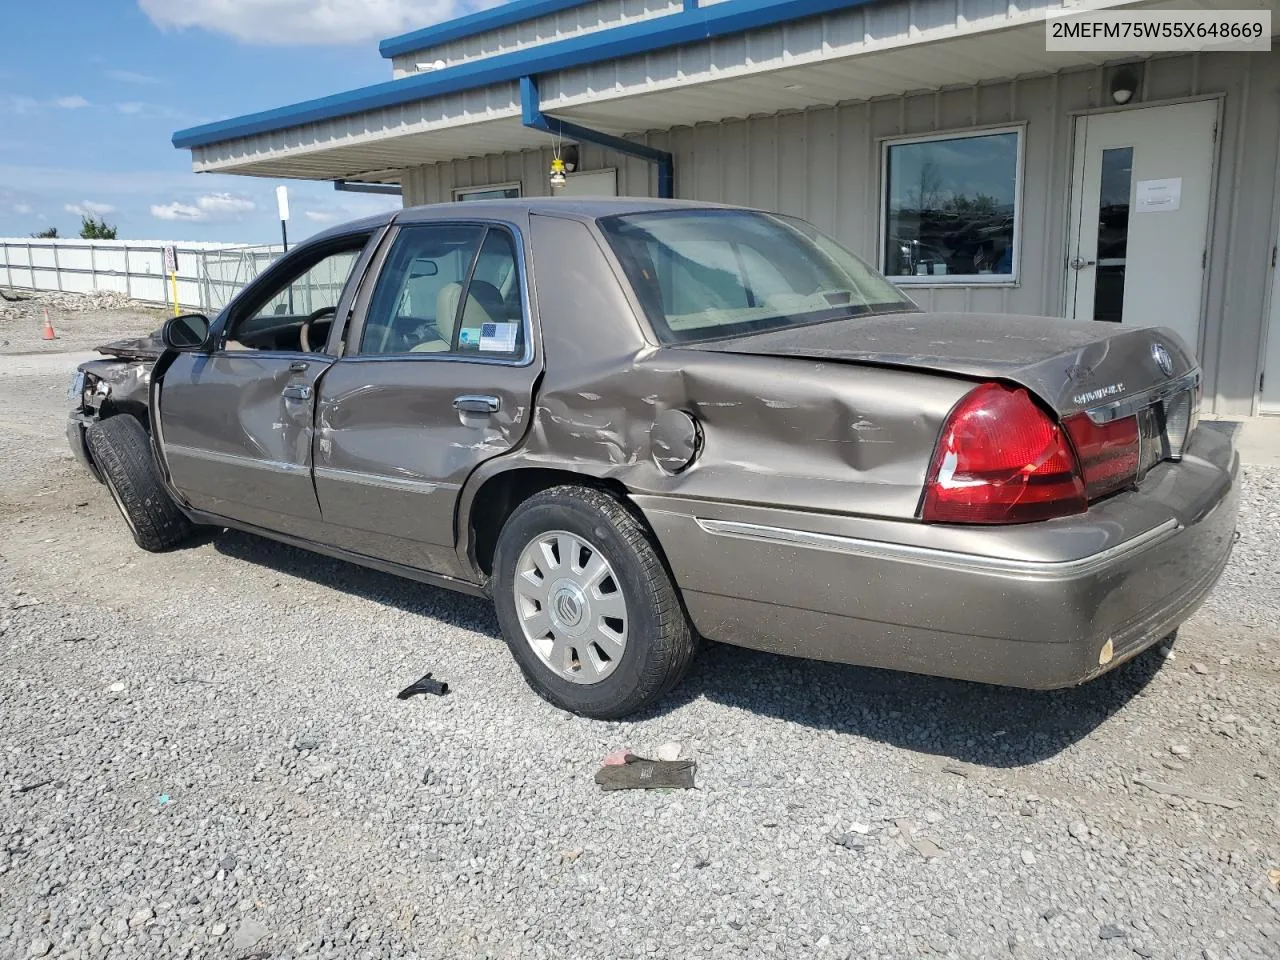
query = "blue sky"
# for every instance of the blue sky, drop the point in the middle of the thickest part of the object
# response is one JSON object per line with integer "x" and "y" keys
{"x": 92, "y": 90}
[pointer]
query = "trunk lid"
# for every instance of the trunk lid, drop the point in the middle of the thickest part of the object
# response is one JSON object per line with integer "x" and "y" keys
{"x": 1070, "y": 365}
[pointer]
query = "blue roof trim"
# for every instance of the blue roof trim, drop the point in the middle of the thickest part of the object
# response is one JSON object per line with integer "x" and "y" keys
{"x": 505, "y": 15}
{"x": 688, "y": 26}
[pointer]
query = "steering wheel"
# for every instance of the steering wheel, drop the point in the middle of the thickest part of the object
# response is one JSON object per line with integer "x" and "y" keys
{"x": 304, "y": 334}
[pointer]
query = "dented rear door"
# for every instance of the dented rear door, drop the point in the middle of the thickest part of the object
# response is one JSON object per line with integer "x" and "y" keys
{"x": 398, "y": 429}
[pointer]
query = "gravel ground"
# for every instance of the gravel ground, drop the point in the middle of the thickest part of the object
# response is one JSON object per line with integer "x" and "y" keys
{"x": 202, "y": 755}
{"x": 79, "y": 322}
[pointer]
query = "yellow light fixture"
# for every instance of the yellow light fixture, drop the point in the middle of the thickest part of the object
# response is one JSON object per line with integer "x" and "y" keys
{"x": 557, "y": 172}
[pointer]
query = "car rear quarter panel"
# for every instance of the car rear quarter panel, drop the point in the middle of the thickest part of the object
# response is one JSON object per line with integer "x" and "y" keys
{"x": 801, "y": 434}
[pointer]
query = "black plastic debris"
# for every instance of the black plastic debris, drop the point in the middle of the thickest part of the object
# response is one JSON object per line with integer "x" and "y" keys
{"x": 425, "y": 685}
{"x": 638, "y": 773}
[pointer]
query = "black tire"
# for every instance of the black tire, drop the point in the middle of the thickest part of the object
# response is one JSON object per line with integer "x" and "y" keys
{"x": 122, "y": 451}
{"x": 660, "y": 643}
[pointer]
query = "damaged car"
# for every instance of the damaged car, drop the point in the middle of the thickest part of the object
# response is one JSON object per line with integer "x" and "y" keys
{"x": 634, "y": 424}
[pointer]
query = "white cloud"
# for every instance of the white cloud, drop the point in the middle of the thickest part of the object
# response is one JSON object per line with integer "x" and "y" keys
{"x": 177, "y": 211}
{"x": 319, "y": 216}
{"x": 89, "y": 209}
{"x": 212, "y": 206}
{"x": 128, "y": 76}
{"x": 225, "y": 205}
{"x": 22, "y": 208}
{"x": 149, "y": 111}
{"x": 74, "y": 102}
{"x": 288, "y": 22}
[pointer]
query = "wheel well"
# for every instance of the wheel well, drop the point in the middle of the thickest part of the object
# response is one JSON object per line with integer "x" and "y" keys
{"x": 500, "y": 495}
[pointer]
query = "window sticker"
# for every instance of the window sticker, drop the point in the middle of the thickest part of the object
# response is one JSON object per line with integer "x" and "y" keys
{"x": 498, "y": 337}
{"x": 469, "y": 337}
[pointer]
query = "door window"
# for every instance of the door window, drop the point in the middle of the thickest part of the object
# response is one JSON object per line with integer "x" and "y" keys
{"x": 1113, "y": 233}
{"x": 448, "y": 288}
{"x": 304, "y": 293}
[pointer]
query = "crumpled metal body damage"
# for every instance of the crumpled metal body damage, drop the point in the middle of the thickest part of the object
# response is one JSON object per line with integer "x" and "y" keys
{"x": 803, "y": 434}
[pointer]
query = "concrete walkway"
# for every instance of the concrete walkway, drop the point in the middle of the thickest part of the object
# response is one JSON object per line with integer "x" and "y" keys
{"x": 1258, "y": 439}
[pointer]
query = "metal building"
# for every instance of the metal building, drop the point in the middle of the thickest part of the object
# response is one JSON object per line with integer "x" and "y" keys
{"x": 937, "y": 138}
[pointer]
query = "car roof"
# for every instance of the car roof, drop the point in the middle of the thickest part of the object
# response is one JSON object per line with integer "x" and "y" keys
{"x": 573, "y": 208}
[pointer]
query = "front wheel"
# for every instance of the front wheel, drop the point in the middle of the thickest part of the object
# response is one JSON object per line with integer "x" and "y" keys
{"x": 122, "y": 450}
{"x": 586, "y": 605}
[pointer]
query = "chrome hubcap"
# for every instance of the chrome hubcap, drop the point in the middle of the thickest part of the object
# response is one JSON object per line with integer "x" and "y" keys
{"x": 571, "y": 608}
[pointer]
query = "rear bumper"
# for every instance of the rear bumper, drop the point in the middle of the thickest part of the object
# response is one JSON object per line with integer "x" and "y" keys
{"x": 1034, "y": 606}
{"x": 78, "y": 424}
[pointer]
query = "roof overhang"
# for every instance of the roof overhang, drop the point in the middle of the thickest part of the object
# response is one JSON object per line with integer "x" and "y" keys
{"x": 474, "y": 109}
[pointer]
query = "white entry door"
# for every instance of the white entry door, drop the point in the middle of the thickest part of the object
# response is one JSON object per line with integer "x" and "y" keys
{"x": 1141, "y": 188}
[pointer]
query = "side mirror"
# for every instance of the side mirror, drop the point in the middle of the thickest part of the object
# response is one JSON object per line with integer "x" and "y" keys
{"x": 187, "y": 332}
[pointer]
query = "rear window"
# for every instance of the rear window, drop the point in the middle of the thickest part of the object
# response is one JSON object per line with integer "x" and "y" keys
{"x": 707, "y": 274}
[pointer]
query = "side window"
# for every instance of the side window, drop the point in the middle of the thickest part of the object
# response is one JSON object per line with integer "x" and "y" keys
{"x": 275, "y": 318}
{"x": 319, "y": 286}
{"x": 447, "y": 288}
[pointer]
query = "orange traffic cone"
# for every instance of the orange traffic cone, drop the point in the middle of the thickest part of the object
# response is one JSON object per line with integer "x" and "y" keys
{"x": 48, "y": 327}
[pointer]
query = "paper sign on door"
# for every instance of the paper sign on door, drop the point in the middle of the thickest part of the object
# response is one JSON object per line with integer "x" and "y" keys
{"x": 1159, "y": 196}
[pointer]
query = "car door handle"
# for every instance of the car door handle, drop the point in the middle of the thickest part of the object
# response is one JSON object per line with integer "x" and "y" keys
{"x": 296, "y": 391}
{"x": 298, "y": 366}
{"x": 477, "y": 403}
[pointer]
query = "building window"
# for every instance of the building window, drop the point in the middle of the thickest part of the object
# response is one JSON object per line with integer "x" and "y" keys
{"x": 494, "y": 191}
{"x": 951, "y": 208}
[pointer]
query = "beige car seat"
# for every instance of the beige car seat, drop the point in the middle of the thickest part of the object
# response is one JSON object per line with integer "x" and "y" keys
{"x": 484, "y": 305}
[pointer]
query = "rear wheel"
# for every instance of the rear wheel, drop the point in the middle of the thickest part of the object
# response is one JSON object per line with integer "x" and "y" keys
{"x": 122, "y": 451}
{"x": 586, "y": 605}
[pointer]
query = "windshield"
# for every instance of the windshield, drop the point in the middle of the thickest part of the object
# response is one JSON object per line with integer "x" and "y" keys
{"x": 704, "y": 274}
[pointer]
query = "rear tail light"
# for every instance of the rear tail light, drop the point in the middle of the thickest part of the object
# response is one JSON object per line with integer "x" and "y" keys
{"x": 1001, "y": 459}
{"x": 1109, "y": 453}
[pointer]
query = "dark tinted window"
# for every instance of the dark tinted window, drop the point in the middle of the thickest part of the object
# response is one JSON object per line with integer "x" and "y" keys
{"x": 950, "y": 207}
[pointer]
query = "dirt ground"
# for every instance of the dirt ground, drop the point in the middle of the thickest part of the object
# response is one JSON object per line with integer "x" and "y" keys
{"x": 77, "y": 323}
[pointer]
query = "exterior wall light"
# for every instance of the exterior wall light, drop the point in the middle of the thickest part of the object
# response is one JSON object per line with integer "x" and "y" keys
{"x": 557, "y": 173}
{"x": 1122, "y": 84}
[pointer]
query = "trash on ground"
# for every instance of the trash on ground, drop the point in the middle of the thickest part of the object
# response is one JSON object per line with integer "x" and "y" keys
{"x": 34, "y": 786}
{"x": 164, "y": 798}
{"x": 425, "y": 685}
{"x": 640, "y": 773}
{"x": 617, "y": 758}
{"x": 116, "y": 687}
{"x": 1186, "y": 793}
{"x": 922, "y": 845}
{"x": 957, "y": 770}
{"x": 669, "y": 751}
{"x": 850, "y": 841}
{"x": 1111, "y": 932}
{"x": 1274, "y": 877}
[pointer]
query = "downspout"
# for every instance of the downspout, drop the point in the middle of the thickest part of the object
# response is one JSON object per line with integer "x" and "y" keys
{"x": 535, "y": 119}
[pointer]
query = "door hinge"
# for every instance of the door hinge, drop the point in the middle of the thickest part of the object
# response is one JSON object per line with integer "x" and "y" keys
{"x": 1204, "y": 258}
{"x": 1215, "y": 133}
{"x": 1262, "y": 378}
{"x": 1273, "y": 256}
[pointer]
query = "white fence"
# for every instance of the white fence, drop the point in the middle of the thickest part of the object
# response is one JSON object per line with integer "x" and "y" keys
{"x": 209, "y": 274}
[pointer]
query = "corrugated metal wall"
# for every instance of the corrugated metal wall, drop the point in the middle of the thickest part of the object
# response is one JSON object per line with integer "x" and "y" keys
{"x": 824, "y": 164}
{"x": 588, "y": 18}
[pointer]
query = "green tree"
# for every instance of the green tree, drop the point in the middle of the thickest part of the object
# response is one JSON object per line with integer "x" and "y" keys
{"x": 96, "y": 228}
{"x": 49, "y": 233}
